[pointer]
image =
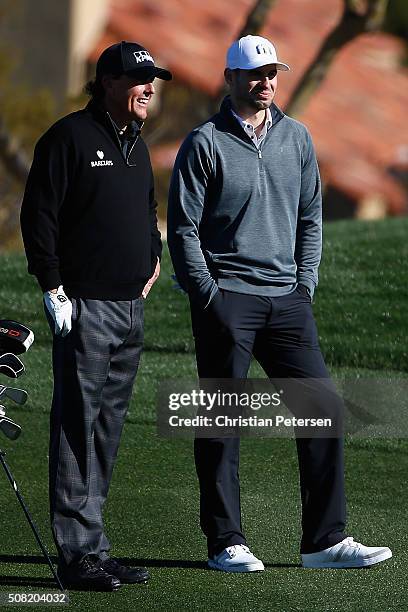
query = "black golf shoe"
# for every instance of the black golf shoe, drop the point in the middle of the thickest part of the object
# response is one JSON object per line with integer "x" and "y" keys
{"x": 126, "y": 575}
{"x": 88, "y": 575}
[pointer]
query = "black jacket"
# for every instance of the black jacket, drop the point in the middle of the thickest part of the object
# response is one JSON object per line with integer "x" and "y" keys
{"x": 88, "y": 216}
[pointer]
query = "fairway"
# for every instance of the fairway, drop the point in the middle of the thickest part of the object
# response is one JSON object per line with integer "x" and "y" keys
{"x": 152, "y": 511}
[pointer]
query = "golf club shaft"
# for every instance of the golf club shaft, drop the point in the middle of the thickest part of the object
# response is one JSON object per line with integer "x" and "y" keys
{"x": 30, "y": 520}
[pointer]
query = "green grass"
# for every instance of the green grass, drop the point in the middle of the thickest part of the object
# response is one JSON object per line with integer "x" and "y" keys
{"x": 152, "y": 512}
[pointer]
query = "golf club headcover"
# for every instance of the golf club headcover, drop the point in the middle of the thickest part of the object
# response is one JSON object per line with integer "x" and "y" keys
{"x": 14, "y": 337}
{"x": 11, "y": 365}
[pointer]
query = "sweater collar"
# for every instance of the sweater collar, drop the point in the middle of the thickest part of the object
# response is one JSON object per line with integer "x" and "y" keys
{"x": 250, "y": 130}
{"x": 100, "y": 113}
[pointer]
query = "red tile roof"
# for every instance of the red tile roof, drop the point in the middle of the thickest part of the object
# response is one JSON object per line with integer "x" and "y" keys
{"x": 358, "y": 119}
{"x": 357, "y": 116}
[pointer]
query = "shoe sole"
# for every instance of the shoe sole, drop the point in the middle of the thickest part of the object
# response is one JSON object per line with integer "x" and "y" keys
{"x": 236, "y": 569}
{"x": 85, "y": 588}
{"x": 337, "y": 565}
{"x": 142, "y": 581}
{"x": 80, "y": 586}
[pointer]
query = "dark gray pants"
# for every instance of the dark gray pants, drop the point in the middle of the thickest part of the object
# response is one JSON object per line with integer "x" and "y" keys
{"x": 94, "y": 369}
{"x": 281, "y": 334}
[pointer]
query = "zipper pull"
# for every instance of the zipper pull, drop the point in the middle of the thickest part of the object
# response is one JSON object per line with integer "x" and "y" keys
{"x": 259, "y": 154}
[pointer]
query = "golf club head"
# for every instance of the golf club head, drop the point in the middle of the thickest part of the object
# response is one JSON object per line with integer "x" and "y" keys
{"x": 15, "y": 337}
{"x": 19, "y": 396}
{"x": 8, "y": 426}
{"x": 11, "y": 365}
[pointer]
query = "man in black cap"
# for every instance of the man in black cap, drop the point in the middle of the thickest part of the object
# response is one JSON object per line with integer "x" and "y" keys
{"x": 90, "y": 232}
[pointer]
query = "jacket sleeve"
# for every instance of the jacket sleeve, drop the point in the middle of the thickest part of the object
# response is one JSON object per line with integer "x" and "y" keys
{"x": 309, "y": 225}
{"x": 156, "y": 243}
{"x": 191, "y": 175}
{"x": 44, "y": 194}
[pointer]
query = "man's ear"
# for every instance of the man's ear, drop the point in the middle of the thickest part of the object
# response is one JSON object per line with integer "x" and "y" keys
{"x": 228, "y": 76}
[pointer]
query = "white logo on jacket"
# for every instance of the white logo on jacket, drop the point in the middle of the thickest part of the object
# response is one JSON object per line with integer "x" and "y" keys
{"x": 101, "y": 161}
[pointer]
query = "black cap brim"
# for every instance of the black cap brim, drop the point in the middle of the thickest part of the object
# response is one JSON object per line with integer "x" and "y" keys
{"x": 150, "y": 73}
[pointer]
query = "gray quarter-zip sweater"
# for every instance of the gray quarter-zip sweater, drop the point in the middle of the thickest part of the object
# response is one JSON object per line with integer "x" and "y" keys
{"x": 241, "y": 218}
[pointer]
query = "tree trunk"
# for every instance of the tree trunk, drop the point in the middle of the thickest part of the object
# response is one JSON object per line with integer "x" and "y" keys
{"x": 256, "y": 18}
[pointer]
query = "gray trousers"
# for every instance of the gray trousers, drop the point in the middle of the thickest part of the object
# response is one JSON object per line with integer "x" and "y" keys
{"x": 94, "y": 370}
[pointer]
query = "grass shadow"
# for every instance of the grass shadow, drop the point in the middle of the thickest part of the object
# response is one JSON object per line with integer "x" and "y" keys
{"x": 31, "y": 581}
{"x": 36, "y": 559}
{"x": 25, "y": 581}
{"x": 180, "y": 563}
{"x": 186, "y": 564}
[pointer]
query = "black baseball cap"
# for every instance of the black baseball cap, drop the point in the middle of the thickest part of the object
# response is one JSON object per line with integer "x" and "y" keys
{"x": 131, "y": 59}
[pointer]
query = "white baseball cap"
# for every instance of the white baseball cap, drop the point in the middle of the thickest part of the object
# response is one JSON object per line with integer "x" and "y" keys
{"x": 252, "y": 52}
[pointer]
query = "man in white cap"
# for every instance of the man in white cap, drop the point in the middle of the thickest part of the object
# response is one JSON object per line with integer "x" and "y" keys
{"x": 245, "y": 234}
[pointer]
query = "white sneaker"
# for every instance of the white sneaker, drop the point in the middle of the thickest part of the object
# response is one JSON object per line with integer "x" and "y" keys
{"x": 347, "y": 553}
{"x": 237, "y": 558}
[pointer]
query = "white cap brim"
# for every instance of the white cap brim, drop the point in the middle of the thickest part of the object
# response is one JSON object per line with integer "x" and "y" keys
{"x": 252, "y": 65}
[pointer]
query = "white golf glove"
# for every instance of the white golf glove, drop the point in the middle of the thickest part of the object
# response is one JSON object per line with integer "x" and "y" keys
{"x": 60, "y": 308}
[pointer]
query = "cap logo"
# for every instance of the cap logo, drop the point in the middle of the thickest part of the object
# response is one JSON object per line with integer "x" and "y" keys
{"x": 260, "y": 49}
{"x": 143, "y": 56}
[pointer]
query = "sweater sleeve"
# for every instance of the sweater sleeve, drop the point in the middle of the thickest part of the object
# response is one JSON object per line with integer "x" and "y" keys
{"x": 190, "y": 178}
{"x": 156, "y": 248}
{"x": 44, "y": 194}
{"x": 309, "y": 225}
